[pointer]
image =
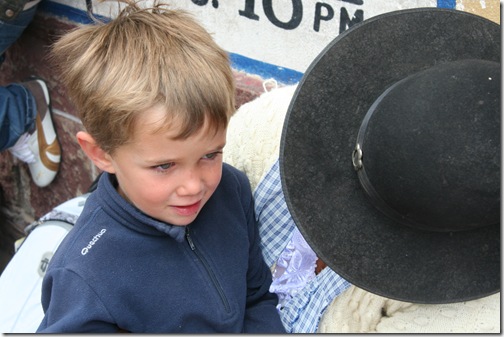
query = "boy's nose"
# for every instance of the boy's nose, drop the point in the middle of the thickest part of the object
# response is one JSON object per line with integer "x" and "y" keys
{"x": 190, "y": 183}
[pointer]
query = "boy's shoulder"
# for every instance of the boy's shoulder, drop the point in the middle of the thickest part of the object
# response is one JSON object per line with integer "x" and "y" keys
{"x": 226, "y": 167}
{"x": 234, "y": 184}
{"x": 231, "y": 173}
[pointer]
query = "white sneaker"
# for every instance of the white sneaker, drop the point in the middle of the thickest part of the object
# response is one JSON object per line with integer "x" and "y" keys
{"x": 40, "y": 148}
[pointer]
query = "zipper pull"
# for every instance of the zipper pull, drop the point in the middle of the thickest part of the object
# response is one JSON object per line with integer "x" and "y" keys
{"x": 189, "y": 240}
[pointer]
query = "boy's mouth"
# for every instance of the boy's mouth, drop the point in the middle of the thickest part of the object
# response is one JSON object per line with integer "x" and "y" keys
{"x": 188, "y": 209}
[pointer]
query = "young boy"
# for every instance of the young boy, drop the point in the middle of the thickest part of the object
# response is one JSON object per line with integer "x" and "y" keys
{"x": 168, "y": 241}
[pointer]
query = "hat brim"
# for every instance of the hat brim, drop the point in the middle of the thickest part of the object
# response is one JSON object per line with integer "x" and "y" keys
{"x": 322, "y": 190}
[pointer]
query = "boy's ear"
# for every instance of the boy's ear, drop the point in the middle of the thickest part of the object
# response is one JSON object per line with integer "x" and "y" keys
{"x": 99, "y": 157}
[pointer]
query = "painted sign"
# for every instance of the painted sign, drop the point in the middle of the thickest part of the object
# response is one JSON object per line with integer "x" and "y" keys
{"x": 287, "y": 33}
{"x": 274, "y": 38}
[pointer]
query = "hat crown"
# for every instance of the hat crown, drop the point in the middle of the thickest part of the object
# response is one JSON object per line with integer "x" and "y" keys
{"x": 431, "y": 148}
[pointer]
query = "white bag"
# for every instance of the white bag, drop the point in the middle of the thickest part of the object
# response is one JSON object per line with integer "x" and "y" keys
{"x": 21, "y": 281}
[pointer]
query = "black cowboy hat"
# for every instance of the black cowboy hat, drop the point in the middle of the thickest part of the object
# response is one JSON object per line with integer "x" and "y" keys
{"x": 390, "y": 155}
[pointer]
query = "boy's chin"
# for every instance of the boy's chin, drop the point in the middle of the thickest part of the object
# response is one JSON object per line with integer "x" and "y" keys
{"x": 185, "y": 221}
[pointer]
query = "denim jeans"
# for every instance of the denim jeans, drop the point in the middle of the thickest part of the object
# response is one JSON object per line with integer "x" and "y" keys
{"x": 17, "y": 104}
{"x": 11, "y": 30}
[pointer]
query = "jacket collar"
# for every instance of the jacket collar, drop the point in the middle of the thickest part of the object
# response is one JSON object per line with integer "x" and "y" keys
{"x": 128, "y": 215}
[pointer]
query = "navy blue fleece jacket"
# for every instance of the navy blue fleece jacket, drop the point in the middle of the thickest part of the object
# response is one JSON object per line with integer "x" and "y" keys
{"x": 121, "y": 269}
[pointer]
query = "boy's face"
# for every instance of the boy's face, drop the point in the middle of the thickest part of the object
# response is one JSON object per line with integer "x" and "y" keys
{"x": 170, "y": 180}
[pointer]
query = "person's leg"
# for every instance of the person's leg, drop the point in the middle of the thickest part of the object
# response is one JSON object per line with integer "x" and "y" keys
{"x": 17, "y": 114}
{"x": 11, "y": 30}
{"x": 17, "y": 105}
{"x": 26, "y": 126}
{"x": 39, "y": 147}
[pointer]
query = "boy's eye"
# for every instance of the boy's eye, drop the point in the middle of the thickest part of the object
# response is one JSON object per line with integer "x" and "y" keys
{"x": 212, "y": 155}
{"x": 163, "y": 167}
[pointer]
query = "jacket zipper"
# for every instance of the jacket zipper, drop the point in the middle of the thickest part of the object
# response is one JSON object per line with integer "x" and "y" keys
{"x": 209, "y": 271}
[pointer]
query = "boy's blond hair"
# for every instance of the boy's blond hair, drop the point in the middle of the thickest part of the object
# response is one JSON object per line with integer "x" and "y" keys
{"x": 146, "y": 56}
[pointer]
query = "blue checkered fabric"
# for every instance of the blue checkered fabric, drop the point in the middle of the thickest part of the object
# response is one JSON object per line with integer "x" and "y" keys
{"x": 303, "y": 312}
